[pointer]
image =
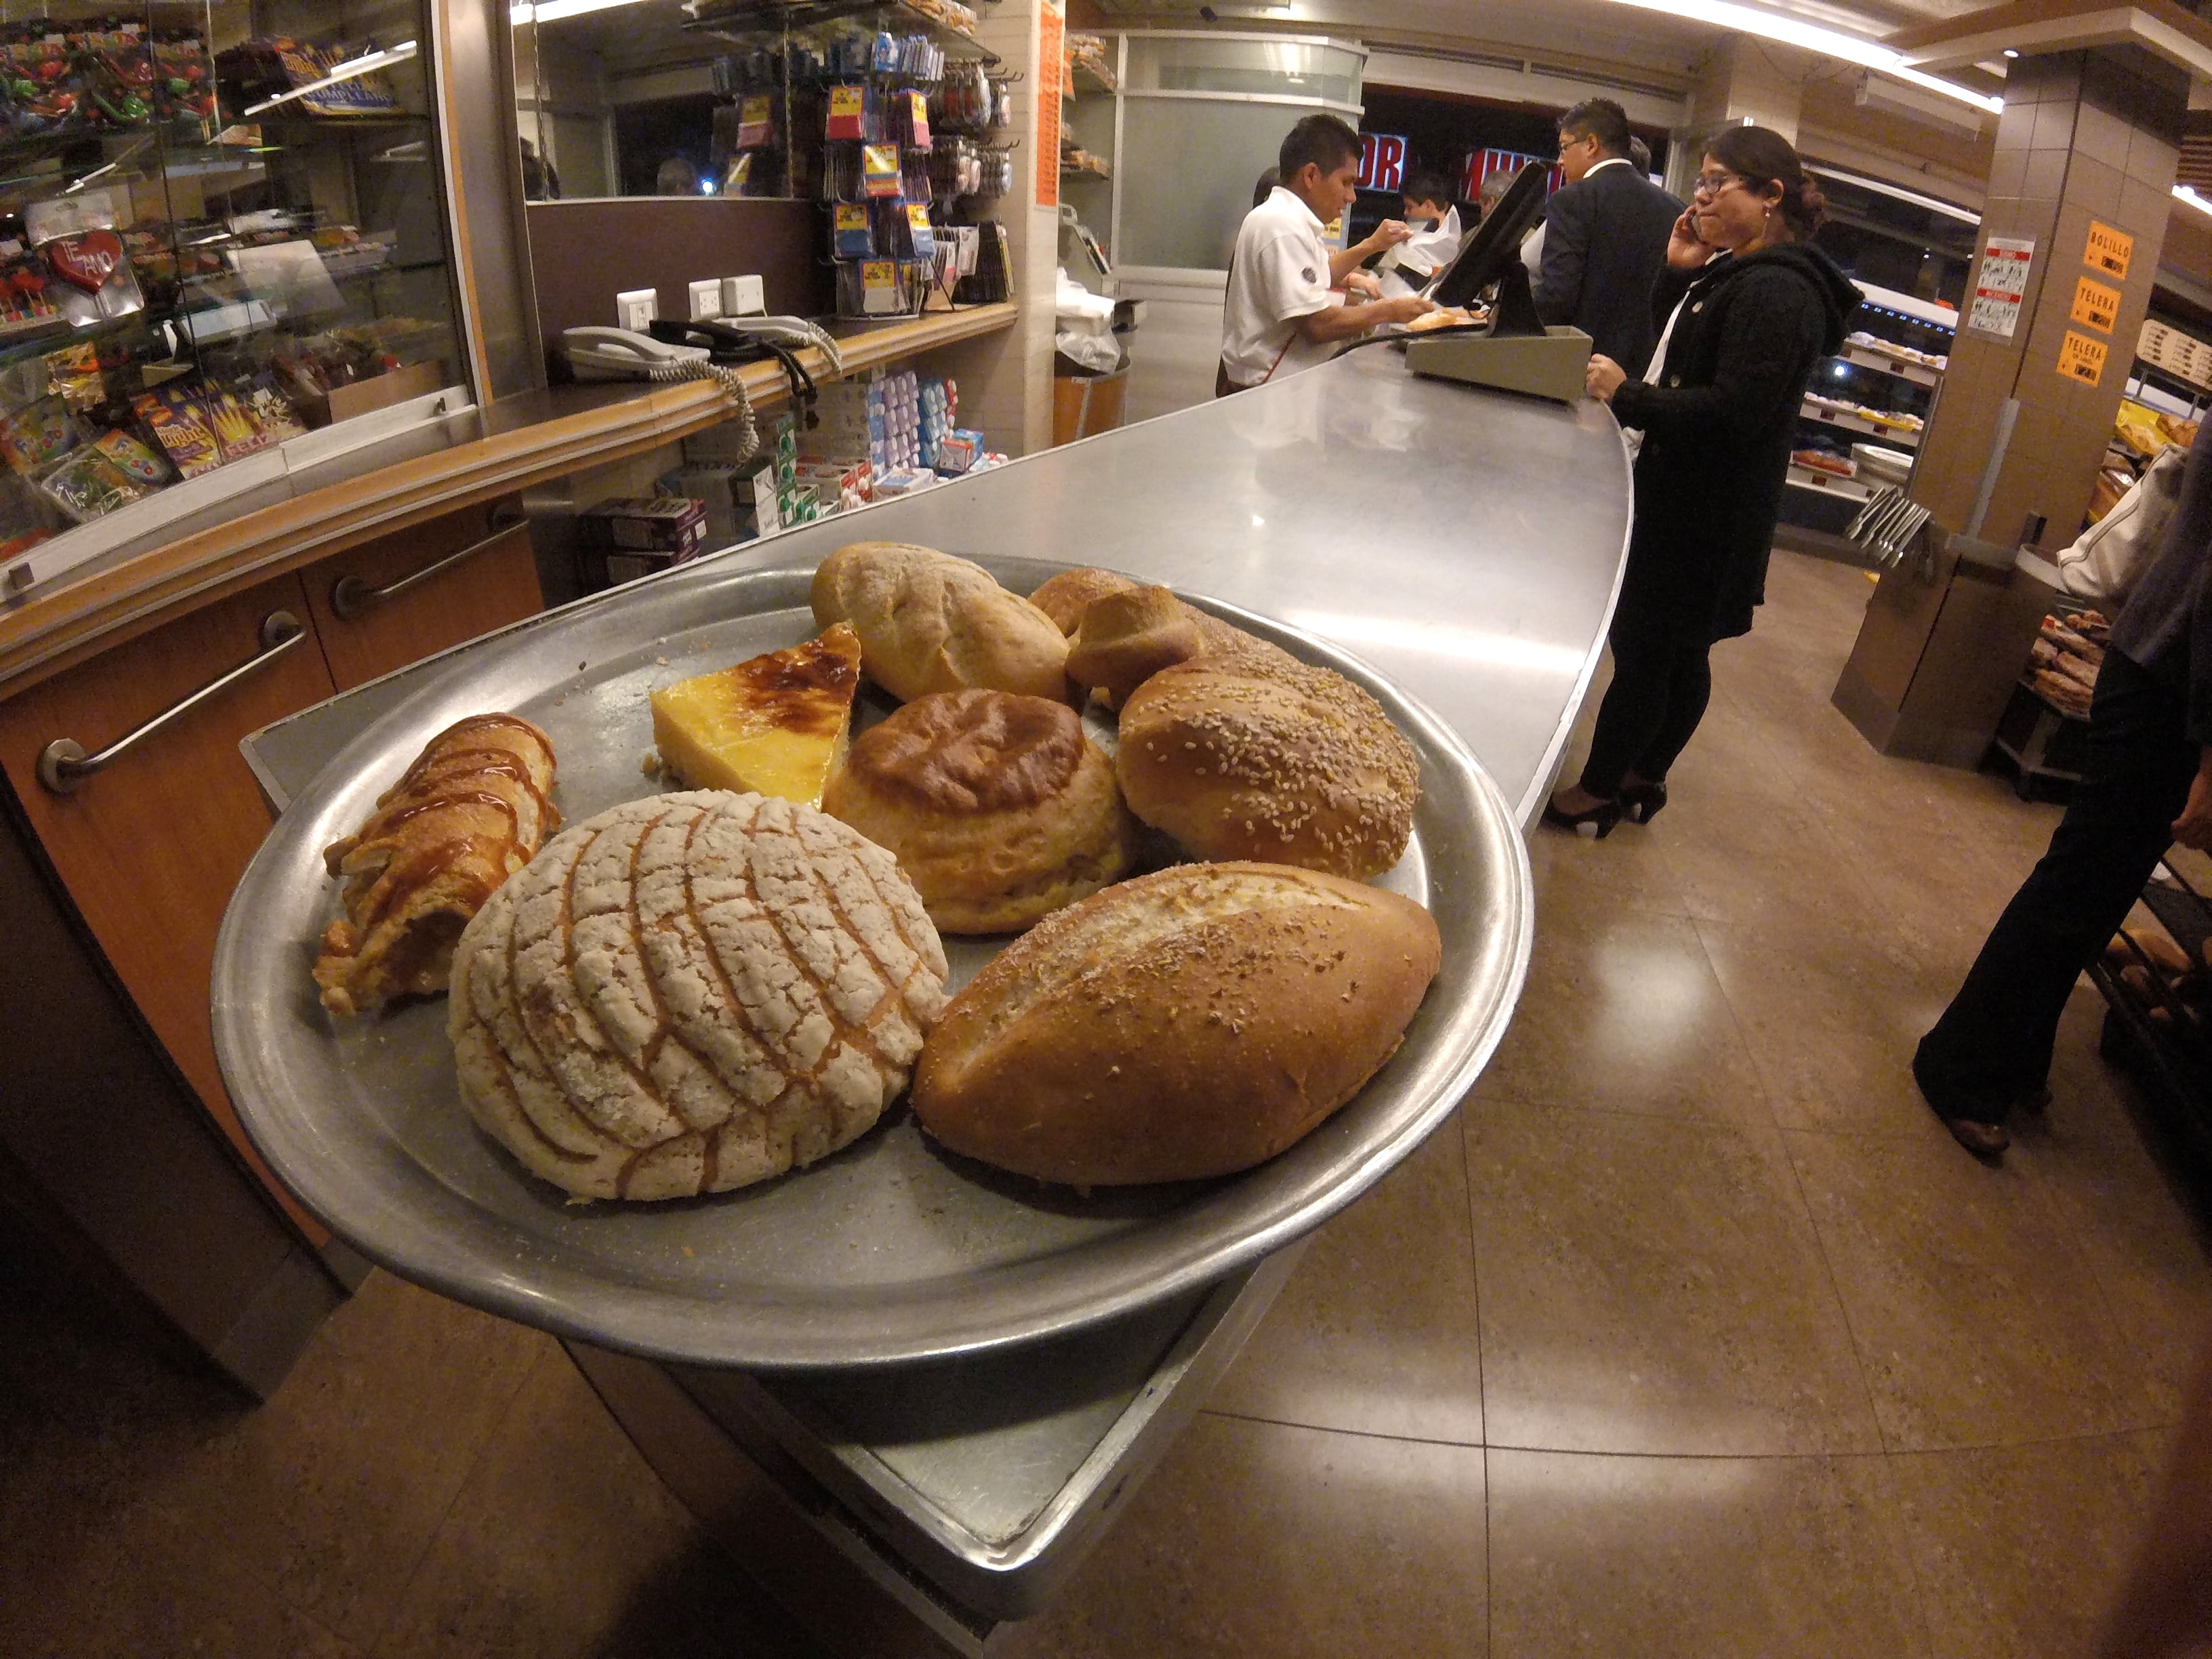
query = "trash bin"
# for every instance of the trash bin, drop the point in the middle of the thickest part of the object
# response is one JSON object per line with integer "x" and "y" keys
{"x": 1083, "y": 406}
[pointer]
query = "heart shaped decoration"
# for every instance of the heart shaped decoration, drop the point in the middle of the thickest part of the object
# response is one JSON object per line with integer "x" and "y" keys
{"x": 87, "y": 261}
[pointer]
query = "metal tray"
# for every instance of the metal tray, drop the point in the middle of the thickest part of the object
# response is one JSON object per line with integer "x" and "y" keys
{"x": 890, "y": 1251}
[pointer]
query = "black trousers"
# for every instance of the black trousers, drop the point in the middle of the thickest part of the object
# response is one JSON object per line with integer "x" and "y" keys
{"x": 1992, "y": 1045}
{"x": 1661, "y": 686}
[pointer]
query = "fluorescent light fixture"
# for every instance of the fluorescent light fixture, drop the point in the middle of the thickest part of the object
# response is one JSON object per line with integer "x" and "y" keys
{"x": 552, "y": 11}
{"x": 351, "y": 69}
{"x": 1897, "y": 193}
{"x": 2012, "y": 52}
{"x": 1813, "y": 37}
{"x": 2183, "y": 192}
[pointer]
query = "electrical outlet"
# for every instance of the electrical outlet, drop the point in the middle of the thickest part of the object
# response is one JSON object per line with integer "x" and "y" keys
{"x": 743, "y": 296}
{"x": 635, "y": 307}
{"x": 705, "y": 300}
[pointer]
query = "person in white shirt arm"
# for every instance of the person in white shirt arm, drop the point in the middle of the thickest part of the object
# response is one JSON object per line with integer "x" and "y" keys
{"x": 1283, "y": 311}
{"x": 1433, "y": 217}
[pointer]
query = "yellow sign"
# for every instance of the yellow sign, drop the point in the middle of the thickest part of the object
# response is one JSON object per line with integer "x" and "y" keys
{"x": 2080, "y": 358}
{"x": 2096, "y": 306}
{"x": 2109, "y": 251}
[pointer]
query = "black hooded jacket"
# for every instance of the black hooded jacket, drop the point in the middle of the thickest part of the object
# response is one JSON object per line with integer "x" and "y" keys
{"x": 1718, "y": 428}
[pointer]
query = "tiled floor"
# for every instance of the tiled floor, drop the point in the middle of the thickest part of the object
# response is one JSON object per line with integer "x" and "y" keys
{"x": 1692, "y": 1334}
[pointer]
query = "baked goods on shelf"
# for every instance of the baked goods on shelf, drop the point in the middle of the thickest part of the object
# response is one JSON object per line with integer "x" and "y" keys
{"x": 1190, "y": 1023}
{"x": 775, "y": 724}
{"x": 997, "y": 807}
{"x": 691, "y": 993}
{"x": 928, "y": 622}
{"x": 1293, "y": 764}
{"x": 471, "y": 810}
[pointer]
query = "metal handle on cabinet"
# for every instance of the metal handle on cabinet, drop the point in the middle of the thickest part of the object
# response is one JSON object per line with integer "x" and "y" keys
{"x": 351, "y": 595}
{"x": 63, "y": 764}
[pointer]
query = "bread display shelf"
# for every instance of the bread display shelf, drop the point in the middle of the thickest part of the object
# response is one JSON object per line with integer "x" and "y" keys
{"x": 891, "y": 1251}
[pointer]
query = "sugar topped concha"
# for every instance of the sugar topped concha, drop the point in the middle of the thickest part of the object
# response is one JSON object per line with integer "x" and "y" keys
{"x": 691, "y": 993}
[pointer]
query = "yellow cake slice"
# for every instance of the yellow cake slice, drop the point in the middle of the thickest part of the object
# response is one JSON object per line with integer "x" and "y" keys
{"x": 777, "y": 724}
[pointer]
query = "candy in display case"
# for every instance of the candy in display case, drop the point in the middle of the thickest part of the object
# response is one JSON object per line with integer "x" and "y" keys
{"x": 222, "y": 226}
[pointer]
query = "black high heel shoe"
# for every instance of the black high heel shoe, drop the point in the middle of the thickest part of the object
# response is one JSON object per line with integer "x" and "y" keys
{"x": 1600, "y": 818}
{"x": 1640, "y": 802}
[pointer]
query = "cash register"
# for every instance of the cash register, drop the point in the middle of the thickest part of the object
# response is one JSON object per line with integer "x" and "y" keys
{"x": 1514, "y": 351}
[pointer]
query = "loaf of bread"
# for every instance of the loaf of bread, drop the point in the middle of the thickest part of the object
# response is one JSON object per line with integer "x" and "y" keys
{"x": 471, "y": 811}
{"x": 998, "y": 808}
{"x": 928, "y": 622}
{"x": 1293, "y": 764}
{"x": 1187, "y": 1024}
{"x": 690, "y": 993}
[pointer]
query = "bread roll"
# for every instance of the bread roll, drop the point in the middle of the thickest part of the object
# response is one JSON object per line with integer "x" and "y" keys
{"x": 997, "y": 807}
{"x": 1064, "y": 597}
{"x": 471, "y": 811}
{"x": 928, "y": 622}
{"x": 1293, "y": 764}
{"x": 1125, "y": 638}
{"x": 690, "y": 992}
{"x": 1187, "y": 1024}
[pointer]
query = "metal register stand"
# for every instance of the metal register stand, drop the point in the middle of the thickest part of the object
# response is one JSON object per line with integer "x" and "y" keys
{"x": 1470, "y": 545}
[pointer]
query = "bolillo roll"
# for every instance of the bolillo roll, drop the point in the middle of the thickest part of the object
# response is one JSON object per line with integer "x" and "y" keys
{"x": 1190, "y": 1023}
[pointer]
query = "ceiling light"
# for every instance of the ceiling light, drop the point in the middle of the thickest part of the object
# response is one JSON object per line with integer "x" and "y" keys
{"x": 2012, "y": 52}
{"x": 1829, "y": 43}
{"x": 2192, "y": 198}
{"x": 552, "y": 11}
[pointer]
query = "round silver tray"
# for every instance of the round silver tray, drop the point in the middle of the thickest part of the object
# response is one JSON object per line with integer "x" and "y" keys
{"x": 892, "y": 1250}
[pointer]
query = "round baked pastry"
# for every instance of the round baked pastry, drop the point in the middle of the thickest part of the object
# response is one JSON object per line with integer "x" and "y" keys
{"x": 1064, "y": 597}
{"x": 690, "y": 993}
{"x": 1126, "y": 636}
{"x": 997, "y": 807}
{"x": 928, "y": 622}
{"x": 1287, "y": 763}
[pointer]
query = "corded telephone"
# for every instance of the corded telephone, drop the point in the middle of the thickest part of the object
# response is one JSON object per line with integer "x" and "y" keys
{"x": 617, "y": 354}
{"x": 748, "y": 339}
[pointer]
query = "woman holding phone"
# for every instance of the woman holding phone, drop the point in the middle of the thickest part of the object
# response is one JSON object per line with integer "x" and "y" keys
{"x": 1749, "y": 308}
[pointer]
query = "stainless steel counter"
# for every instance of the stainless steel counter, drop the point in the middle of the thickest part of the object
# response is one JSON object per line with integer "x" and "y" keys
{"x": 1468, "y": 543}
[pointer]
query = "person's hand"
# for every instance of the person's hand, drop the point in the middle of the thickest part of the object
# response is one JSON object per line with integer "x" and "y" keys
{"x": 1403, "y": 309}
{"x": 2194, "y": 827}
{"x": 1364, "y": 283}
{"x": 1388, "y": 233}
{"x": 1603, "y": 377}
{"x": 1686, "y": 251}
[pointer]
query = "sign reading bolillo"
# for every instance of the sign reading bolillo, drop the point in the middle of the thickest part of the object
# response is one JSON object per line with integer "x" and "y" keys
{"x": 2001, "y": 285}
{"x": 2109, "y": 251}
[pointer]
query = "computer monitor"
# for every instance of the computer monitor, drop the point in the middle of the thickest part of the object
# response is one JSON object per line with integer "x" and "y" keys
{"x": 1493, "y": 251}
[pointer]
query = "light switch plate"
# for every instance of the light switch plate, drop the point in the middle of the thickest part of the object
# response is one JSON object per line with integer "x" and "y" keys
{"x": 635, "y": 307}
{"x": 743, "y": 296}
{"x": 705, "y": 300}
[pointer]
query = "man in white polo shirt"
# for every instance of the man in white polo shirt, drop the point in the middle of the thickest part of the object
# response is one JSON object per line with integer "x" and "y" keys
{"x": 1284, "y": 311}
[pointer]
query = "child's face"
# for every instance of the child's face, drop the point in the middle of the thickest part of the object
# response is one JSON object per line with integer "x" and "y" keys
{"x": 1415, "y": 210}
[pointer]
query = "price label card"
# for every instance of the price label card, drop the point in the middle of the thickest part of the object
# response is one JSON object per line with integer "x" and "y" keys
{"x": 2095, "y": 306}
{"x": 2080, "y": 358}
{"x": 2109, "y": 251}
{"x": 879, "y": 288}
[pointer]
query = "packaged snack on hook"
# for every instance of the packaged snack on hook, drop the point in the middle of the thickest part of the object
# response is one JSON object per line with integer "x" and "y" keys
{"x": 849, "y": 113}
{"x": 879, "y": 169}
{"x": 850, "y": 235}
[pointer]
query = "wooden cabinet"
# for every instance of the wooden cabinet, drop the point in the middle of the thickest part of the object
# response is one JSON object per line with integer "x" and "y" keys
{"x": 409, "y": 595}
{"x": 150, "y": 848}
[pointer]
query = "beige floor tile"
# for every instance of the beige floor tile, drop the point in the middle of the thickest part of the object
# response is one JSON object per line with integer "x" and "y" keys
{"x": 1831, "y": 1018}
{"x": 1621, "y": 1009}
{"x": 1624, "y": 871}
{"x": 1977, "y": 1322}
{"x": 333, "y": 1488}
{"x": 1376, "y": 1331}
{"x": 1257, "y": 1539}
{"x": 2020, "y": 1550}
{"x": 1711, "y": 843}
{"x": 1653, "y": 1287}
{"x": 564, "y": 1542}
{"x": 2103, "y": 1155}
{"x": 1704, "y": 1558}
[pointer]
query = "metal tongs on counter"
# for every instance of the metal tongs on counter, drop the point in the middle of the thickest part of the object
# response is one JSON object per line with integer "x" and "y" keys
{"x": 1888, "y": 526}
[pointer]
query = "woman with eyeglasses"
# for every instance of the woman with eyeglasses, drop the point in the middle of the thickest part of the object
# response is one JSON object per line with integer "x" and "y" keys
{"x": 1750, "y": 306}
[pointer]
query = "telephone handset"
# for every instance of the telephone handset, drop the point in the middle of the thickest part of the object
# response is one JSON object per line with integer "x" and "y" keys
{"x": 617, "y": 354}
{"x": 733, "y": 342}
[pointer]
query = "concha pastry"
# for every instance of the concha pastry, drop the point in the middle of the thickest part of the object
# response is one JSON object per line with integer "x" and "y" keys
{"x": 690, "y": 993}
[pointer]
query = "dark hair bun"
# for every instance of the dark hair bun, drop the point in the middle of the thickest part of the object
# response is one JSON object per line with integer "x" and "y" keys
{"x": 1812, "y": 205}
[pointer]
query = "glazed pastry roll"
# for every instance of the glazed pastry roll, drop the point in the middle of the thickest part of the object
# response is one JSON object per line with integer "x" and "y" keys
{"x": 472, "y": 810}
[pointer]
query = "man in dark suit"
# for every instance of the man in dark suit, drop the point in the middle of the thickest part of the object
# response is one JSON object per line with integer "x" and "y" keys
{"x": 1605, "y": 237}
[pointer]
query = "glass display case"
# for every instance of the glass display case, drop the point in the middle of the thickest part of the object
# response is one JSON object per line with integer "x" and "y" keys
{"x": 221, "y": 228}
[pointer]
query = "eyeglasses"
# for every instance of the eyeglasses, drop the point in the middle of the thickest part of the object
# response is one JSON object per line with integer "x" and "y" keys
{"x": 1712, "y": 184}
